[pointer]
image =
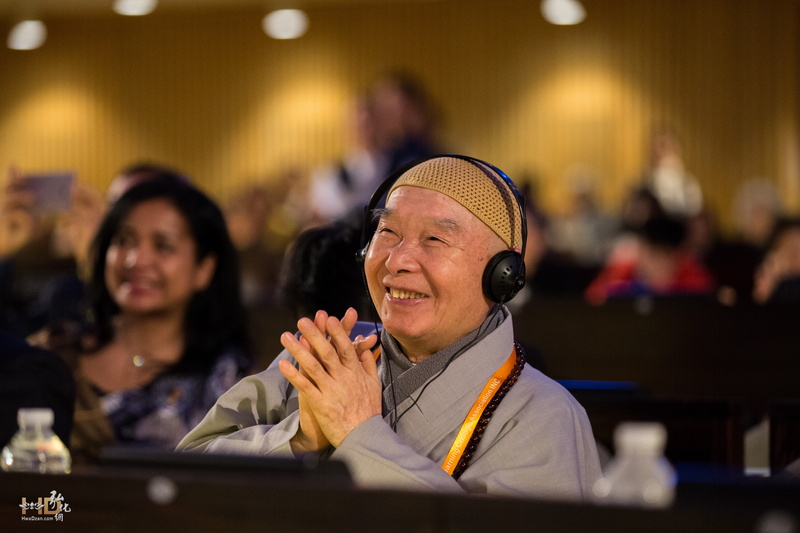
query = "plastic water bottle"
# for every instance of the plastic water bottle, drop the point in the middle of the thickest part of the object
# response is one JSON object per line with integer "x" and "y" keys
{"x": 639, "y": 474}
{"x": 35, "y": 448}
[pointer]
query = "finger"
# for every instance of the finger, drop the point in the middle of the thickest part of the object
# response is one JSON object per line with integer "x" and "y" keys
{"x": 305, "y": 374}
{"x": 298, "y": 379}
{"x": 313, "y": 368}
{"x": 302, "y": 370}
{"x": 302, "y": 340}
{"x": 341, "y": 340}
{"x": 369, "y": 364}
{"x": 19, "y": 198}
{"x": 349, "y": 320}
{"x": 16, "y": 181}
{"x": 319, "y": 320}
{"x": 75, "y": 192}
{"x": 321, "y": 347}
{"x": 363, "y": 344}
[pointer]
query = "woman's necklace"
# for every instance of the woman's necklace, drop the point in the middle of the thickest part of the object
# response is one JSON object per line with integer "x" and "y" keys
{"x": 145, "y": 360}
{"x": 141, "y": 358}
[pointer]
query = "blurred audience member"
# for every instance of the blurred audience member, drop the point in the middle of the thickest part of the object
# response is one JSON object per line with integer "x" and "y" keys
{"x": 776, "y": 283}
{"x": 585, "y": 233}
{"x": 777, "y": 279}
{"x": 19, "y": 223}
{"x": 41, "y": 276}
{"x": 320, "y": 270}
{"x": 167, "y": 332}
{"x": 135, "y": 173}
{"x": 263, "y": 220}
{"x": 757, "y": 207}
{"x": 730, "y": 262}
{"x": 291, "y": 213}
{"x": 348, "y": 183}
{"x": 247, "y": 218}
{"x": 38, "y": 275}
{"x": 391, "y": 124}
{"x": 639, "y": 206}
{"x": 549, "y": 273}
{"x": 659, "y": 266}
{"x": 406, "y": 119}
{"x": 89, "y": 206}
{"x": 677, "y": 191}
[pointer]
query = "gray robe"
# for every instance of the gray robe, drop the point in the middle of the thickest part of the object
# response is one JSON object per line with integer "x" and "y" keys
{"x": 538, "y": 443}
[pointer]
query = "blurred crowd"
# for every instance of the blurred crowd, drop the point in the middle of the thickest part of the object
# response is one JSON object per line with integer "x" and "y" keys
{"x": 661, "y": 241}
{"x": 664, "y": 241}
{"x": 79, "y": 281}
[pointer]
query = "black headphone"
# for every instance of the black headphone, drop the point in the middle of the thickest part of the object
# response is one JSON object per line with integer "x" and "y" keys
{"x": 504, "y": 275}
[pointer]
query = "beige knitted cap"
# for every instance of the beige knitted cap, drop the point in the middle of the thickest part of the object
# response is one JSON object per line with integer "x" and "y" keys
{"x": 475, "y": 186}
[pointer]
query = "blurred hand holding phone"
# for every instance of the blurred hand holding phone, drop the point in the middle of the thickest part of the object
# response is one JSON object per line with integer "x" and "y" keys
{"x": 51, "y": 190}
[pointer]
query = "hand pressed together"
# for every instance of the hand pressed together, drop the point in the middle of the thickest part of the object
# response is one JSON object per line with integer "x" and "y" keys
{"x": 337, "y": 382}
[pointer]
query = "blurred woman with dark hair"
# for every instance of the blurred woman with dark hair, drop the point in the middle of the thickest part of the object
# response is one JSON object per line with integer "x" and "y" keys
{"x": 166, "y": 334}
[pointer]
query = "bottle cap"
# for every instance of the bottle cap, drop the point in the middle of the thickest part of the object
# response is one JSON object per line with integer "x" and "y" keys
{"x": 35, "y": 416}
{"x": 643, "y": 436}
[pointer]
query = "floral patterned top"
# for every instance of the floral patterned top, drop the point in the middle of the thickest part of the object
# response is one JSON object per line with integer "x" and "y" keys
{"x": 156, "y": 416}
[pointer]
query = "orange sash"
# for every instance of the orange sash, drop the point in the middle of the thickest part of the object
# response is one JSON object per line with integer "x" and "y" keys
{"x": 468, "y": 427}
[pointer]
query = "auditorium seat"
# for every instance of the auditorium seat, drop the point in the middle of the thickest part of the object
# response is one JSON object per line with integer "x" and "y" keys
{"x": 700, "y": 431}
{"x": 784, "y": 432}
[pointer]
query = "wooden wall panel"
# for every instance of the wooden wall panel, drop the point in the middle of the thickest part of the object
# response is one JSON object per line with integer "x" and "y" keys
{"x": 208, "y": 92}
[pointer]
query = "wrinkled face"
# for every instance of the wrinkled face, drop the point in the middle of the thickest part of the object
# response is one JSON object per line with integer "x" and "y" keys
{"x": 424, "y": 268}
{"x": 151, "y": 264}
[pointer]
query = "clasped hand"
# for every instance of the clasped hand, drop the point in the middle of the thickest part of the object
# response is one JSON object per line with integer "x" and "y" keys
{"x": 338, "y": 382}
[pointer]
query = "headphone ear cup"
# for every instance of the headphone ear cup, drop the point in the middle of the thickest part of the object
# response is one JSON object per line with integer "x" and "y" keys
{"x": 361, "y": 254}
{"x": 504, "y": 276}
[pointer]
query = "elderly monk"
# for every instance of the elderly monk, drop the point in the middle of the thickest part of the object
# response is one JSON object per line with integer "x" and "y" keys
{"x": 446, "y": 402}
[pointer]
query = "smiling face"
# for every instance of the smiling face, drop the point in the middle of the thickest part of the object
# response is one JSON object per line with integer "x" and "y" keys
{"x": 424, "y": 268}
{"x": 151, "y": 264}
